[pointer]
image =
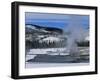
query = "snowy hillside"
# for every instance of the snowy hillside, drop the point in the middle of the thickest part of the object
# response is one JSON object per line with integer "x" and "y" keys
{"x": 39, "y": 36}
{"x": 43, "y": 30}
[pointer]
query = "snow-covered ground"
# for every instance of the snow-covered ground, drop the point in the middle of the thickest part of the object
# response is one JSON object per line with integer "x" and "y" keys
{"x": 51, "y": 51}
{"x": 84, "y": 50}
{"x": 44, "y": 50}
{"x": 33, "y": 52}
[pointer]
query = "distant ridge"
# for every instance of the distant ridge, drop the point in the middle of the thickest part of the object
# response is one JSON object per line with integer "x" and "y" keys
{"x": 50, "y": 29}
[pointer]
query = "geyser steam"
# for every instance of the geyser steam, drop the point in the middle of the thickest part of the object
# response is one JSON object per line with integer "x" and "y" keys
{"x": 76, "y": 34}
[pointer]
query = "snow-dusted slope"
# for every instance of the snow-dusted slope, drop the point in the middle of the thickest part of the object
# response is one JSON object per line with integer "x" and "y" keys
{"x": 52, "y": 39}
{"x": 30, "y": 26}
{"x": 87, "y": 38}
{"x": 43, "y": 29}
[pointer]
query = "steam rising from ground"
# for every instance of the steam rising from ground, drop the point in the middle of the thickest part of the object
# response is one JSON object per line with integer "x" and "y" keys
{"x": 77, "y": 33}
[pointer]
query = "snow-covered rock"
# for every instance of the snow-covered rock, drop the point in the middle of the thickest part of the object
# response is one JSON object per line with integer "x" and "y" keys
{"x": 51, "y": 39}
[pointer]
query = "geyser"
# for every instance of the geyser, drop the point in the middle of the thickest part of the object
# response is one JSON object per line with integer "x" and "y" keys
{"x": 76, "y": 34}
